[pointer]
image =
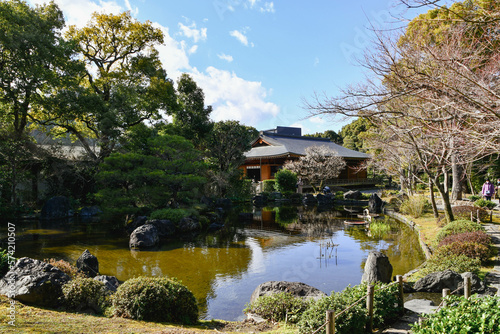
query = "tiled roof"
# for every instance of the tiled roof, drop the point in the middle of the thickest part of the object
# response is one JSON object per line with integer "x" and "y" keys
{"x": 285, "y": 145}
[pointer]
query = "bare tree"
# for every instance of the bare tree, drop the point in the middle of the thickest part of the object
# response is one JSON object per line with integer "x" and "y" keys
{"x": 318, "y": 165}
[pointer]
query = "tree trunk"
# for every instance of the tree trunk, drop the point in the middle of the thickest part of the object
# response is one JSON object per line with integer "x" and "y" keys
{"x": 457, "y": 179}
{"x": 448, "y": 212}
{"x": 433, "y": 200}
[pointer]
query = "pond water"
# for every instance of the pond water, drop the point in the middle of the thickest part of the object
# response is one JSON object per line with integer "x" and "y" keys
{"x": 223, "y": 268}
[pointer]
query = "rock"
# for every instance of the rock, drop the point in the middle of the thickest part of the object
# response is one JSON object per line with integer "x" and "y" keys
{"x": 309, "y": 199}
{"x": 377, "y": 268}
{"x": 477, "y": 286}
{"x": 420, "y": 306}
{"x": 145, "y": 236}
{"x": 325, "y": 199}
{"x": 436, "y": 282}
{"x": 110, "y": 282}
{"x": 57, "y": 207}
{"x": 89, "y": 211}
{"x": 88, "y": 264}
{"x": 138, "y": 221}
{"x": 259, "y": 200}
{"x": 188, "y": 224}
{"x": 352, "y": 194}
{"x": 214, "y": 227}
{"x": 209, "y": 202}
{"x": 375, "y": 204}
{"x": 297, "y": 289}
{"x": 164, "y": 226}
{"x": 34, "y": 282}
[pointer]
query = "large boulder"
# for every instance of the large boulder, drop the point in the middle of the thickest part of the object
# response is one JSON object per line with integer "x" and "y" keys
{"x": 110, "y": 282}
{"x": 90, "y": 211}
{"x": 309, "y": 199}
{"x": 88, "y": 264}
{"x": 188, "y": 224}
{"x": 477, "y": 286}
{"x": 297, "y": 289}
{"x": 164, "y": 226}
{"x": 145, "y": 236}
{"x": 34, "y": 282}
{"x": 326, "y": 199}
{"x": 57, "y": 207}
{"x": 436, "y": 282}
{"x": 352, "y": 194}
{"x": 375, "y": 204}
{"x": 135, "y": 223}
{"x": 377, "y": 268}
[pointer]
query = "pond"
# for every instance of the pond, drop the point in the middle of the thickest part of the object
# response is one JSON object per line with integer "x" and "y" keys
{"x": 223, "y": 268}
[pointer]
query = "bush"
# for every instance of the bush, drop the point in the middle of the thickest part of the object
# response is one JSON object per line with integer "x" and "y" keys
{"x": 482, "y": 203}
{"x": 473, "y": 250}
{"x": 354, "y": 320}
{"x": 174, "y": 215}
{"x": 155, "y": 299}
{"x": 269, "y": 186}
{"x": 81, "y": 294}
{"x": 474, "y": 197}
{"x": 286, "y": 181}
{"x": 463, "y": 212}
{"x": 278, "y": 307}
{"x": 458, "y": 263}
{"x": 379, "y": 229}
{"x": 4, "y": 262}
{"x": 414, "y": 206}
{"x": 66, "y": 268}
{"x": 456, "y": 227}
{"x": 474, "y": 315}
{"x": 479, "y": 237}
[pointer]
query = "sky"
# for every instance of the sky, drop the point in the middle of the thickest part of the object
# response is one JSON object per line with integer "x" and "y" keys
{"x": 257, "y": 60}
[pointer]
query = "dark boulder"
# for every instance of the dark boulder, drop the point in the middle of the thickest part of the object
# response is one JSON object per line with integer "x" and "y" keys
{"x": 309, "y": 199}
{"x": 164, "y": 226}
{"x": 259, "y": 200}
{"x": 188, "y": 224}
{"x": 477, "y": 286}
{"x": 245, "y": 217}
{"x": 88, "y": 264}
{"x": 214, "y": 227}
{"x": 436, "y": 282}
{"x": 326, "y": 199}
{"x": 145, "y": 236}
{"x": 353, "y": 194}
{"x": 90, "y": 211}
{"x": 57, "y": 207}
{"x": 297, "y": 289}
{"x": 110, "y": 282}
{"x": 224, "y": 203}
{"x": 375, "y": 204}
{"x": 377, "y": 268}
{"x": 135, "y": 223}
{"x": 34, "y": 282}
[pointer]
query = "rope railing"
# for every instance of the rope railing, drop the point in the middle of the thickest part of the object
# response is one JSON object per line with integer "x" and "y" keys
{"x": 331, "y": 316}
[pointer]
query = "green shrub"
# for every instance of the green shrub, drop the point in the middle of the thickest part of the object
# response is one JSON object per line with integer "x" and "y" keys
{"x": 456, "y": 227}
{"x": 414, "y": 206}
{"x": 4, "y": 262}
{"x": 174, "y": 215}
{"x": 155, "y": 299}
{"x": 458, "y": 263}
{"x": 479, "y": 237}
{"x": 81, "y": 294}
{"x": 354, "y": 320}
{"x": 463, "y": 212}
{"x": 474, "y": 315}
{"x": 474, "y": 197}
{"x": 482, "y": 203}
{"x": 269, "y": 186}
{"x": 286, "y": 181}
{"x": 379, "y": 229}
{"x": 473, "y": 250}
{"x": 278, "y": 307}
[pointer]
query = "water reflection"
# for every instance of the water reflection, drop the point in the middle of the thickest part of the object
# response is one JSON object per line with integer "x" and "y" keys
{"x": 222, "y": 269}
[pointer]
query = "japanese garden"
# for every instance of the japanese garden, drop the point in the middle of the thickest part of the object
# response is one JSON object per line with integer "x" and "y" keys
{"x": 126, "y": 208}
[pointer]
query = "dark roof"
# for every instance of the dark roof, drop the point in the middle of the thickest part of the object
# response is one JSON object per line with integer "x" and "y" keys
{"x": 283, "y": 145}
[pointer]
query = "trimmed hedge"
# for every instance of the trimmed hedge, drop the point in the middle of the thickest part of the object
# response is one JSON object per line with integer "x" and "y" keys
{"x": 458, "y": 226}
{"x": 82, "y": 294}
{"x": 479, "y": 237}
{"x": 278, "y": 307}
{"x": 155, "y": 299}
{"x": 269, "y": 186}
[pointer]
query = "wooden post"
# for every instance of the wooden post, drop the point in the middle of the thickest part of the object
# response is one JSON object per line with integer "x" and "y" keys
{"x": 399, "y": 279}
{"x": 369, "y": 305}
{"x": 467, "y": 287}
{"x": 446, "y": 292}
{"x": 330, "y": 319}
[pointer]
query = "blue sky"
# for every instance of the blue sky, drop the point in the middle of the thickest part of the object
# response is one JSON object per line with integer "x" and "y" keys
{"x": 256, "y": 60}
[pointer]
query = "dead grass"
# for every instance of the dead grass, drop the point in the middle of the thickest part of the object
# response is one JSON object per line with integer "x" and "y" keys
{"x": 30, "y": 319}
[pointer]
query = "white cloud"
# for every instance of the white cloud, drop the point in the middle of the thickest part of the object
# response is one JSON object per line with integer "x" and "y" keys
{"x": 317, "y": 120}
{"x": 133, "y": 11}
{"x": 225, "y": 57}
{"x": 235, "y": 98}
{"x": 268, "y": 7}
{"x": 240, "y": 36}
{"x": 79, "y": 12}
{"x": 191, "y": 31}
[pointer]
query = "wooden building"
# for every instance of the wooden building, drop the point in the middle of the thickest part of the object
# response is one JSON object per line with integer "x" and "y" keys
{"x": 274, "y": 147}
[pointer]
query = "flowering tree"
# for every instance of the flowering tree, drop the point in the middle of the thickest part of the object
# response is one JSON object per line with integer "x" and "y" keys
{"x": 318, "y": 165}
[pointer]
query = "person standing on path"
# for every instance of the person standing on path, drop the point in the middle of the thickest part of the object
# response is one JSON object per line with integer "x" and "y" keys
{"x": 498, "y": 189}
{"x": 488, "y": 190}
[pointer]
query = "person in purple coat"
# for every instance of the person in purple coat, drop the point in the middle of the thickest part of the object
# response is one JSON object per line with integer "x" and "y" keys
{"x": 488, "y": 190}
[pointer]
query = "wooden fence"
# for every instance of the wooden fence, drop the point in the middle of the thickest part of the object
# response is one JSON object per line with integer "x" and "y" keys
{"x": 370, "y": 293}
